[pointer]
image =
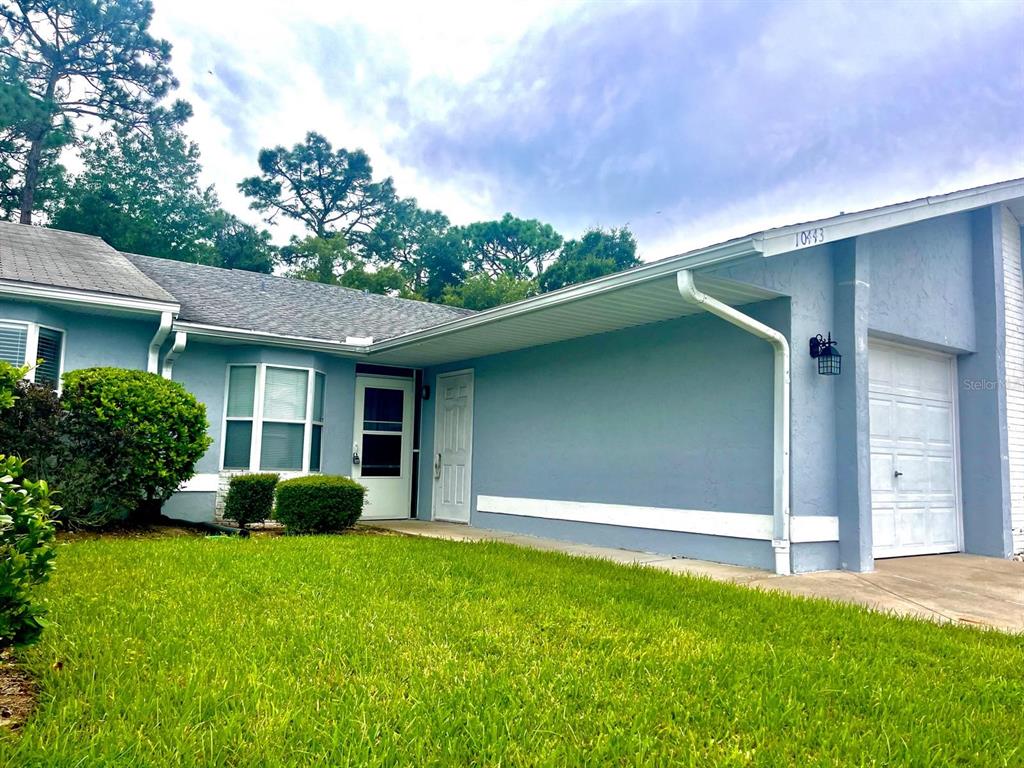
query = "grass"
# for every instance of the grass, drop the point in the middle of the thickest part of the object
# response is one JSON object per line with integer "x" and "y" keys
{"x": 374, "y": 650}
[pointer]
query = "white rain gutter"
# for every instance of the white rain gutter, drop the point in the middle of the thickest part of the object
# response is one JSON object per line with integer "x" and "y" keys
{"x": 780, "y": 509}
{"x": 153, "y": 364}
{"x": 180, "y": 339}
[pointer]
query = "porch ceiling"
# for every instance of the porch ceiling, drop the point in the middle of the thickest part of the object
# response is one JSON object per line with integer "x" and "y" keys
{"x": 637, "y": 304}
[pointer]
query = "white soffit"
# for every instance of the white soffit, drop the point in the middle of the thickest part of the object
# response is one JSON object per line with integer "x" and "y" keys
{"x": 638, "y": 304}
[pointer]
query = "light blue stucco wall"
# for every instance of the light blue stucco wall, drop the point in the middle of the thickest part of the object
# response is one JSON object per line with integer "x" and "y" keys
{"x": 921, "y": 285}
{"x": 676, "y": 414}
{"x": 91, "y": 339}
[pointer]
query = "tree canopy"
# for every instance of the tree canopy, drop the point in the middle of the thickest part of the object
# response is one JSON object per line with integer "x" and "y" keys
{"x": 80, "y": 59}
{"x": 141, "y": 193}
{"x": 331, "y": 192}
{"x": 595, "y": 254}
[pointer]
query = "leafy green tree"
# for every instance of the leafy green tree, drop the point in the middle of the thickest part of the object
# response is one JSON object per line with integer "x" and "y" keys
{"x": 318, "y": 259}
{"x": 595, "y": 254}
{"x": 386, "y": 280}
{"x": 481, "y": 291}
{"x": 331, "y": 192}
{"x": 406, "y": 239}
{"x": 444, "y": 260}
{"x": 514, "y": 247}
{"x": 91, "y": 60}
{"x": 237, "y": 245}
{"x": 19, "y": 112}
{"x": 141, "y": 193}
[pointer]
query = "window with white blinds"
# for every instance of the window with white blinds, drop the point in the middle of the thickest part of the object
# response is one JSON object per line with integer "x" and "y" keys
{"x": 273, "y": 418}
{"x": 13, "y": 341}
{"x": 38, "y": 346}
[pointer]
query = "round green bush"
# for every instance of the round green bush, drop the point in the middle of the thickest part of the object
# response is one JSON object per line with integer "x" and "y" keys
{"x": 250, "y": 498}
{"x": 319, "y": 503}
{"x": 140, "y": 436}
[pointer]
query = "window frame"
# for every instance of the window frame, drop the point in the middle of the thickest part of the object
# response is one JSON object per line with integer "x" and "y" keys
{"x": 257, "y": 419}
{"x": 32, "y": 348}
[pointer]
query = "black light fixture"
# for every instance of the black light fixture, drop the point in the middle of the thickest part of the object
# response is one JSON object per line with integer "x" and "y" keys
{"x": 824, "y": 351}
{"x": 425, "y": 392}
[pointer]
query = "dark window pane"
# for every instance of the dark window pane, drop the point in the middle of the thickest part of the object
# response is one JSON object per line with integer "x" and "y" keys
{"x": 237, "y": 442}
{"x": 282, "y": 446}
{"x": 382, "y": 409}
{"x": 314, "y": 448}
{"x": 382, "y": 456}
{"x": 48, "y": 371}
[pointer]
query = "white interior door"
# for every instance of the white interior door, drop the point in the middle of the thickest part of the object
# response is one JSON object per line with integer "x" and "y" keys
{"x": 453, "y": 446}
{"x": 915, "y": 496}
{"x": 382, "y": 450}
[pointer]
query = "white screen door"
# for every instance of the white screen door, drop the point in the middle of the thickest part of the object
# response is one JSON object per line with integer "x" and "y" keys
{"x": 382, "y": 450}
{"x": 915, "y": 498}
{"x": 453, "y": 446}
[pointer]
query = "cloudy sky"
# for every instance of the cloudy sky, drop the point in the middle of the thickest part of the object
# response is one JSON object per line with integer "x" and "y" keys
{"x": 689, "y": 121}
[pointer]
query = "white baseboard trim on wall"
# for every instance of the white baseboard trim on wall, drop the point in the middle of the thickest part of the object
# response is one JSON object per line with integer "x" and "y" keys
{"x": 739, "y": 525}
{"x": 205, "y": 482}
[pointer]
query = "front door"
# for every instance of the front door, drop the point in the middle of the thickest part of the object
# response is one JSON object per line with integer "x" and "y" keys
{"x": 453, "y": 446}
{"x": 382, "y": 450}
{"x": 915, "y": 499}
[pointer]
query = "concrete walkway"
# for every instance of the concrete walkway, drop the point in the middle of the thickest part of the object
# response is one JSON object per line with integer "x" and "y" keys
{"x": 965, "y": 589}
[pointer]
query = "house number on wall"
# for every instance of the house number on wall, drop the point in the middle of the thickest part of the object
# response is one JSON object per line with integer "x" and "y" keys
{"x": 807, "y": 237}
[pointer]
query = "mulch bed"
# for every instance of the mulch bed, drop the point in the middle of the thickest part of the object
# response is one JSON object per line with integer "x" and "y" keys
{"x": 17, "y": 692}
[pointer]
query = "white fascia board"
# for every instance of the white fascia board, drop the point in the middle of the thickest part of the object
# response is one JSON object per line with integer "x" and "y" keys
{"x": 76, "y": 297}
{"x": 813, "y": 233}
{"x": 274, "y": 339}
{"x": 662, "y": 268}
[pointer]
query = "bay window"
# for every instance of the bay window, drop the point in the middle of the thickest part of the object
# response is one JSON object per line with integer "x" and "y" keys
{"x": 38, "y": 346}
{"x": 273, "y": 418}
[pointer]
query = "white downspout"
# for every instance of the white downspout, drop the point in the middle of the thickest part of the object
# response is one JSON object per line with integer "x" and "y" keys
{"x": 159, "y": 337}
{"x": 180, "y": 339}
{"x": 780, "y": 528}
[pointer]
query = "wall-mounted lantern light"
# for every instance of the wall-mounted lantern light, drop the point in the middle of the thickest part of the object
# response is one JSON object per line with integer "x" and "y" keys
{"x": 425, "y": 392}
{"x": 824, "y": 351}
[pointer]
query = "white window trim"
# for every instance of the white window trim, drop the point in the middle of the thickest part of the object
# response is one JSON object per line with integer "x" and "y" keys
{"x": 256, "y": 441}
{"x": 32, "y": 347}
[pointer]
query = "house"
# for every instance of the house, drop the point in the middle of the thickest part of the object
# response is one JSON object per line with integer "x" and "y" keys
{"x": 674, "y": 407}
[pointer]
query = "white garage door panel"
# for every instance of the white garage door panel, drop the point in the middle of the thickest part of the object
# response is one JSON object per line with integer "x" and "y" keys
{"x": 914, "y": 490}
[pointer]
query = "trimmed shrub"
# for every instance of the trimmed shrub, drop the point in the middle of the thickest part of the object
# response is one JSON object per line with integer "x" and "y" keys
{"x": 137, "y": 434}
{"x": 251, "y": 498}
{"x": 31, "y": 429}
{"x": 26, "y": 551}
{"x": 319, "y": 503}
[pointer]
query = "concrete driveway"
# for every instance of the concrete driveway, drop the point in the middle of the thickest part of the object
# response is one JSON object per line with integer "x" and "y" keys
{"x": 963, "y": 589}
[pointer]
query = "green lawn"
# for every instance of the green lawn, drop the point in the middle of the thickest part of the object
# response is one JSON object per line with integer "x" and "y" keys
{"x": 374, "y": 650}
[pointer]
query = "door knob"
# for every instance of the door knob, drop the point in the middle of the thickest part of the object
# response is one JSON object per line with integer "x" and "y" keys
{"x": 897, "y": 473}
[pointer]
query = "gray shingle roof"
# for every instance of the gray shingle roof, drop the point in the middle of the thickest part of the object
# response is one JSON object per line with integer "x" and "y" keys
{"x": 52, "y": 257}
{"x": 233, "y": 298}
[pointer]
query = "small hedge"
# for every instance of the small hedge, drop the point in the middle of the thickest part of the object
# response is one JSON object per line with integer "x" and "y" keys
{"x": 319, "y": 503}
{"x": 250, "y": 498}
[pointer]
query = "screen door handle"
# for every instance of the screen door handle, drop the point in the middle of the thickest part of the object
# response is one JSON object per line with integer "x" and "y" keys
{"x": 437, "y": 467}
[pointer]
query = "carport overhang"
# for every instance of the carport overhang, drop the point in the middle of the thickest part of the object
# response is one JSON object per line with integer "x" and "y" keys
{"x": 641, "y": 296}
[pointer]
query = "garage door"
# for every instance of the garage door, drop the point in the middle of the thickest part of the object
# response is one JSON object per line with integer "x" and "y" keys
{"x": 915, "y": 506}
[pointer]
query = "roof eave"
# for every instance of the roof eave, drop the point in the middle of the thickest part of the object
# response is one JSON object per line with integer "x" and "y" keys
{"x": 700, "y": 258}
{"x": 272, "y": 339}
{"x": 82, "y": 298}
